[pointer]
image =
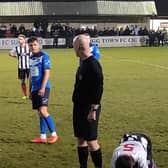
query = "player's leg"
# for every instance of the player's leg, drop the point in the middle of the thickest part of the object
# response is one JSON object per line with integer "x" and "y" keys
{"x": 20, "y": 77}
{"x": 94, "y": 147}
{"x": 96, "y": 153}
{"x": 149, "y": 150}
{"x": 82, "y": 152}
{"x": 153, "y": 165}
{"x": 149, "y": 153}
{"x": 43, "y": 109}
{"x": 43, "y": 127}
{"x": 78, "y": 127}
{"x": 27, "y": 80}
{"x": 146, "y": 142}
{"x": 43, "y": 131}
{"x": 50, "y": 124}
{"x": 23, "y": 83}
{"x": 46, "y": 120}
{"x": 24, "y": 89}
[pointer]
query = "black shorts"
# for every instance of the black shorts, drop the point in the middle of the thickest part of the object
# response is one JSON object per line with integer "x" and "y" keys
{"x": 38, "y": 101}
{"x": 23, "y": 74}
{"x": 82, "y": 127}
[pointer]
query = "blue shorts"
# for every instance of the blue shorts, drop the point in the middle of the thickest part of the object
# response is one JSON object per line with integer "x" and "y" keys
{"x": 38, "y": 101}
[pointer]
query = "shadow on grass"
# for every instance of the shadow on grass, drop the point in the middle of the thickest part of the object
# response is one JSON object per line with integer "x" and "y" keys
{"x": 16, "y": 102}
{"x": 8, "y": 97}
{"x": 56, "y": 104}
{"x": 21, "y": 141}
{"x": 14, "y": 141}
{"x": 11, "y": 101}
{"x": 162, "y": 150}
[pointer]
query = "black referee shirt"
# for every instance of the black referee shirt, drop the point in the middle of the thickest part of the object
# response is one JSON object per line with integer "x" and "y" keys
{"x": 88, "y": 87}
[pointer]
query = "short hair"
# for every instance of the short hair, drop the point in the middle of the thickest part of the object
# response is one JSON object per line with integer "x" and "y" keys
{"x": 124, "y": 161}
{"x": 22, "y": 35}
{"x": 87, "y": 34}
{"x": 32, "y": 39}
{"x": 79, "y": 35}
{"x": 75, "y": 38}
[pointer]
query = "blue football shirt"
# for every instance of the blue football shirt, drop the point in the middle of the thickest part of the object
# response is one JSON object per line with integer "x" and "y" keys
{"x": 95, "y": 51}
{"x": 38, "y": 64}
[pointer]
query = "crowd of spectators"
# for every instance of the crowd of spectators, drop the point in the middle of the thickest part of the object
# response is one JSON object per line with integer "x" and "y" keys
{"x": 57, "y": 30}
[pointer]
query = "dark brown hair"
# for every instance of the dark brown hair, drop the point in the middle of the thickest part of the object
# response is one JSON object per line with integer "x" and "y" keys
{"x": 32, "y": 39}
{"x": 124, "y": 161}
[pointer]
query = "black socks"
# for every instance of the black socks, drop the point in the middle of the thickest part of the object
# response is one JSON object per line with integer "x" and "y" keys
{"x": 95, "y": 155}
{"x": 83, "y": 156}
{"x": 97, "y": 158}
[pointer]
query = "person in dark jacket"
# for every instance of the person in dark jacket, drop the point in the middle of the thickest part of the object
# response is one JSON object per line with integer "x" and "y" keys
{"x": 86, "y": 98}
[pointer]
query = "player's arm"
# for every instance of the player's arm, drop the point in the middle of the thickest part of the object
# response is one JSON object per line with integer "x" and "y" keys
{"x": 97, "y": 85}
{"x": 30, "y": 87}
{"x": 92, "y": 113}
{"x": 143, "y": 163}
{"x": 12, "y": 53}
{"x": 113, "y": 160}
{"x": 46, "y": 66}
{"x": 44, "y": 82}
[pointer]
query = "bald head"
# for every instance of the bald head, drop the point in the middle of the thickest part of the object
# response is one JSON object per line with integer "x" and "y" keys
{"x": 81, "y": 44}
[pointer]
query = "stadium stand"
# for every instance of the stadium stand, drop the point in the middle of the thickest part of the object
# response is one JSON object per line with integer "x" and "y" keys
{"x": 161, "y": 6}
{"x": 77, "y": 10}
{"x": 50, "y": 18}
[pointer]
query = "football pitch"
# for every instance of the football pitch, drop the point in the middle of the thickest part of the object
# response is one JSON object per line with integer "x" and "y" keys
{"x": 135, "y": 99}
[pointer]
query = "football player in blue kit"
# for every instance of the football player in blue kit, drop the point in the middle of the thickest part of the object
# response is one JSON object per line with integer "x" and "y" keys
{"x": 95, "y": 51}
{"x": 40, "y": 90}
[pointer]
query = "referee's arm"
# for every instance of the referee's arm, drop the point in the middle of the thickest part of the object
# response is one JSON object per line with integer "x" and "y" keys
{"x": 96, "y": 90}
{"x": 97, "y": 84}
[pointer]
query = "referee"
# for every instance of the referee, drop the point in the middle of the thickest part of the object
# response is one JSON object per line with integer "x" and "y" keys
{"x": 22, "y": 53}
{"x": 86, "y": 98}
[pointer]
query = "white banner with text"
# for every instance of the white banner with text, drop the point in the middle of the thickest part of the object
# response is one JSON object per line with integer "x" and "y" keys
{"x": 112, "y": 41}
{"x": 120, "y": 41}
{"x": 9, "y": 43}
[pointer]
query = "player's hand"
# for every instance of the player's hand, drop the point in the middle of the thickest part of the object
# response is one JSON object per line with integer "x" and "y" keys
{"x": 12, "y": 55}
{"x": 41, "y": 92}
{"x": 92, "y": 115}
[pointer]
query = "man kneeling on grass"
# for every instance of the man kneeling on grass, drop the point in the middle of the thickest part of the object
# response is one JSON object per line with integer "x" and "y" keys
{"x": 134, "y": 151}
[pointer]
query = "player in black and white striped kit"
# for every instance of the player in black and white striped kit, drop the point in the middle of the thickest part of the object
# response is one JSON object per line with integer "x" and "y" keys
{"x": 22, "y": 53}
{"x": 134, "y": 151}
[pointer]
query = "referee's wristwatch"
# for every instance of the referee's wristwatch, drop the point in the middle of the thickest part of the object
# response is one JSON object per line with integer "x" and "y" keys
{"x": 95, "y": 107}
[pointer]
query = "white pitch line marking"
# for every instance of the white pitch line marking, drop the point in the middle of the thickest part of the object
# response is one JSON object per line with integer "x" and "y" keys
{"x": 143, "y": 63}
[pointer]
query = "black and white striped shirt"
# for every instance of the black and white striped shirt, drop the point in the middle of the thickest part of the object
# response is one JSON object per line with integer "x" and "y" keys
{"x": 23, "y": 55}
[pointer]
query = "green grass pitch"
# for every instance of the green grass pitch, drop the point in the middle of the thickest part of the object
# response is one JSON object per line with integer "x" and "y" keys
{"x": 135, "y": 99}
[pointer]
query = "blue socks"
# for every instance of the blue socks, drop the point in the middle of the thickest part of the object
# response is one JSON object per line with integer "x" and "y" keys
{"x": 43, "y": 125}
{"x": 50, "y": 123}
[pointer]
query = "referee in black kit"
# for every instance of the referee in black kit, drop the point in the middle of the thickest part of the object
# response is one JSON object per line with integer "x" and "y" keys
{"x": 86, "y": 97}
